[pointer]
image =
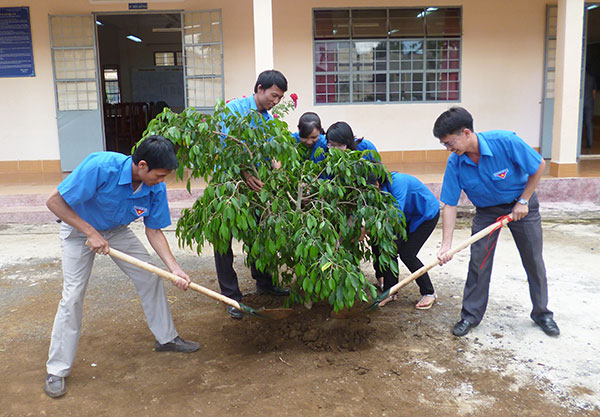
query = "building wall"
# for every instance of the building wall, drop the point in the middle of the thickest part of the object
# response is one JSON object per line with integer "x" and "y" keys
{"x": 28, "y": 109}
{"x": 502, "y": 63}
{"x": 502, "y": 73}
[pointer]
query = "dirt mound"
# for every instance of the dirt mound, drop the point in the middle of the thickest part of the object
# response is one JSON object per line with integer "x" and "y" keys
{"x": 319, "y": 328}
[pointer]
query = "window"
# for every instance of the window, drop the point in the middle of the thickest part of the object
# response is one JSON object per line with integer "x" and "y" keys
{"x": 111, "y": 85}
{"x": 387, "y": 55}
{"x": 74, "y": 60}
{"x": 203, "y": 59}
{"x": 164, "y": 59}
{"x": 168, "y": 59}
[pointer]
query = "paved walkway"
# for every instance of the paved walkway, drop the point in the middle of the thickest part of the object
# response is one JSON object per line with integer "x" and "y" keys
{"x": 22, "y": 199}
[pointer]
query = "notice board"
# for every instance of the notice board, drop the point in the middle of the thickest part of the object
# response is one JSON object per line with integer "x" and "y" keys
{"x": 16, "y": 50}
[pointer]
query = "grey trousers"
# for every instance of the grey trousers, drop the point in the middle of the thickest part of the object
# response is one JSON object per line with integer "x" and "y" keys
{"x": 527, "y": 234}
{"x": 77, "y": 260}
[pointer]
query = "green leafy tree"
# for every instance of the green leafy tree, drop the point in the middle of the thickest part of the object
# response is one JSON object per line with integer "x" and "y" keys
{"x": 304, "y": 225}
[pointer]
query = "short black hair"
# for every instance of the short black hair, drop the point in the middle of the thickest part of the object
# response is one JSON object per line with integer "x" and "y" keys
{"x": 307, "y": 123}
{"x": 341, "y": 132}
{"x": 373, "y": 178}
{"x": 268, "y": 78}
{"x": 452, "y": 121}
{"x": 158, "y": 152}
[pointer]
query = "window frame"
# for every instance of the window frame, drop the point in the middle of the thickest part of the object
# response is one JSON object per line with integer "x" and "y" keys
{"x": 352, "y": 72}
{"x": 117, "y": 82}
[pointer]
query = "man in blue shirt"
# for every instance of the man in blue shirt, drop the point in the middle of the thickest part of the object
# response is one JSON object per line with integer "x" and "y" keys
{"x": 421, "y": 211}
{"x": 498, "y": 172}
{"x": 95, "y": 204}
{"x": 268, "y": 91}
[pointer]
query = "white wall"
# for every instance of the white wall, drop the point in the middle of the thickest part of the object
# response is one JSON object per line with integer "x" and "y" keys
{"x": 27, "y": 108}
{"x": 502, "y": 72}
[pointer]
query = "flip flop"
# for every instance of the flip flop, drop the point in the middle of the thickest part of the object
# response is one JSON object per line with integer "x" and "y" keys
{"x": 428, "y": 305}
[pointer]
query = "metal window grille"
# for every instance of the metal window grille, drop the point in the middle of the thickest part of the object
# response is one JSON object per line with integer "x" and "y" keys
{"x": 74, "y": 62}
{"x": 203, "y": 58}
{"x": 401, "y": 67}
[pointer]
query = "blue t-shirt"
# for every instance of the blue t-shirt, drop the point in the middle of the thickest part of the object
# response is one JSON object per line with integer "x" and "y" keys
{"x": 413, "y": 198}
{"x": 367, "y": 145}
{"x": 243, "y": 106}
{"x": 320, "y": 143}
{"x": 505, "y": 164}
{"x": 100, "y": 191}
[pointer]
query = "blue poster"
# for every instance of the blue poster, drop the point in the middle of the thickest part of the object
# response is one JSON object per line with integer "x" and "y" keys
{"x": 16, "y": 50}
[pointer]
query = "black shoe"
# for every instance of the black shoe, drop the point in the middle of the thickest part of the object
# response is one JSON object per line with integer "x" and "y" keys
{"x": 177, "y": 345}
{"x": 548, "y": 325}
{"x": 272, "y": 290}
{"x": 462, "y": 328}
{"x": 55, "y": 386}
{"x": 235, "y": 313}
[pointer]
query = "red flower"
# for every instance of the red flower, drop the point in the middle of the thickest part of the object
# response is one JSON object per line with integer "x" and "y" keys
{"x": 294, "y": 98}
{"x": 275, "y": 115}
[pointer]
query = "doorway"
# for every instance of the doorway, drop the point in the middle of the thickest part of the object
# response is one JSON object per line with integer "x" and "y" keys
{"x": 590, "y": 136}
{"x": 141, "y": 73}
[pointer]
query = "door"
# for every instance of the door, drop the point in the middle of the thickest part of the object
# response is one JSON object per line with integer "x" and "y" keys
{"x": 79, "y": 117}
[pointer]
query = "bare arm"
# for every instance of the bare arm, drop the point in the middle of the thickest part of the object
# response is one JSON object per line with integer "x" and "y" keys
{"x": 448, "y": 223}
{"x": 159, "y": 243}
{"x": 57, "y": 205}
{"x": 520, "y": 210}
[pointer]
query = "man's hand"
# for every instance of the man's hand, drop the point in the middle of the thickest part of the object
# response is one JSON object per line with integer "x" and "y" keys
{"x": 443, "y": 255}
{"x": 97, "y": 243}
{"x": 184, "y": 282}
{"x": 275, "y": 164}
{"x": 253, "y": 182}
{"x": 519, "y": 211}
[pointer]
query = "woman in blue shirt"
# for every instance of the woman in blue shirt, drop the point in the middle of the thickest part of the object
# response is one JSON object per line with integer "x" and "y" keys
{"x": 311, "y": 135}
{"x": 340, "y": 136}
{"x": 421, "y": 211}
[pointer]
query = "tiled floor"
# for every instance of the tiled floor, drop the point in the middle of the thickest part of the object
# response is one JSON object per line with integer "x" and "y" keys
{"x": 432, "y": 172}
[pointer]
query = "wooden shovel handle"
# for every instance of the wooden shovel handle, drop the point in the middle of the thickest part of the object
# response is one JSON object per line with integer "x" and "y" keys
{"x": 477, "y": 236}
{"x": 172, "y": 277}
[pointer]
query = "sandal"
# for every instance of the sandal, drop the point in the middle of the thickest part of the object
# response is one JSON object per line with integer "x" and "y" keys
{"x": 426, "y": 302}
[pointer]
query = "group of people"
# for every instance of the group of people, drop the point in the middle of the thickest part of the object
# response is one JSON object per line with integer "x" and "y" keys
{"x": 497, "y": 170}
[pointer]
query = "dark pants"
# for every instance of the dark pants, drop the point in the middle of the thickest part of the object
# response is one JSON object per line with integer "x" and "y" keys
{"x": 228, "y": 280}
{"x": 527, "y": 234}
{"x": 408, "y": 250}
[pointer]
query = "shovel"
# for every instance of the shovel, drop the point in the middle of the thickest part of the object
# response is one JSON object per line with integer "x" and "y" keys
{"x": 477, "y": 236}
{"x": 276, "y": 313}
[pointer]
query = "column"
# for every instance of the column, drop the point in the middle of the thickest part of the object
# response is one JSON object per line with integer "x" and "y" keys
{"x": 567, "y": 88}
{"x": 263, "y": 35}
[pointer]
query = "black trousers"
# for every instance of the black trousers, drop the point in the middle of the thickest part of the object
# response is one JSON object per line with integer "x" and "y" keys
{"x": 408, "y": 250}
{"x": 228, "y": 280}
{"x": 527, "y": 234}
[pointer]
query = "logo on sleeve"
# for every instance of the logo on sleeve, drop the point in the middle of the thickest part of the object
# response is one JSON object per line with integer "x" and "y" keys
{"x": 140, "y": 211}
{"x": 501, "y": 174}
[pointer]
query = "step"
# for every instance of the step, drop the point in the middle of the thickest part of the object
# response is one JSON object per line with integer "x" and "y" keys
{"x": 559, "y": 196}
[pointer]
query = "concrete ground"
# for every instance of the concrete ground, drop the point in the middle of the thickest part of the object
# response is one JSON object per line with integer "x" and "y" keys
{"x": 398, "y": 361}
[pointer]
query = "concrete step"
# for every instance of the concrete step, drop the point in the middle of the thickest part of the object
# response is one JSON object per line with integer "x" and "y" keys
{"x": 31, "y": 208}
{"x": 560, "y": 197}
